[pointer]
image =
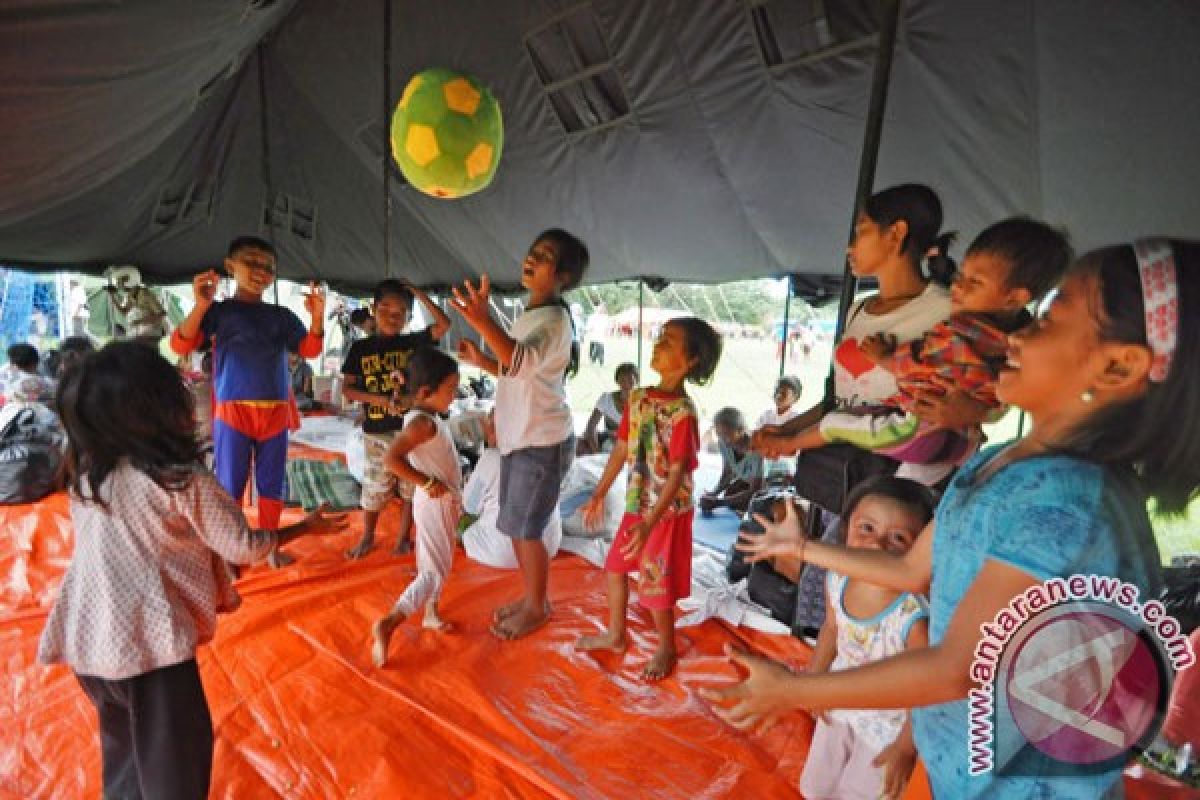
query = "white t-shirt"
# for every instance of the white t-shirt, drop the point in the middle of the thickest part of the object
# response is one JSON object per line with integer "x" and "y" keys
{"x": 857, "y": 380}
{"x": 483, "y": 541}
{"x": 607, "y": 406}
{"x": 773, "y": 417}
{"x": 531, "y": 394}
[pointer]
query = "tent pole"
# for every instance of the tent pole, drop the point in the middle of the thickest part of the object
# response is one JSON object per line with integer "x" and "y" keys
{"x": 787, "y": 311}
{"x": 384, "y": 166}
{"x": 266, "y": 153}
{"x": 873, "y": 132}
{"x": 641, "y": 307}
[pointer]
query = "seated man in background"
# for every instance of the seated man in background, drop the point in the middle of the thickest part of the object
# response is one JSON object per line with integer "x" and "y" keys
{"x": 482, "y": 540}
{"x": 741, "y": 467}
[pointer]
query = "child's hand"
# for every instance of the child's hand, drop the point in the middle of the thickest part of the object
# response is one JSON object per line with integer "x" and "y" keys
{"x": 767, "y": 693}
{"x": 897, "y": 761}
{"x": 204, "y": 288}
{"x": 469, "y": 352}
{"x": 592, "y": 512}
{"x": 878, "y": 346}
{"x": 635, "y": 539}
{"x": 436, "y": 489}
{"x": 472, "y": 302}
{"x": 314, "y": 301}
{"x": 778, "y": 539}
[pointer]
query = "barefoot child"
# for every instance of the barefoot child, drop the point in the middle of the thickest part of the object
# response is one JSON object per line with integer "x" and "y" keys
{"x": 252, "y": 386}
{"x": 153, "y": 531}
{"x": 423, "y": 453}
{"x": 534, "y": 428}
{"x": 367, "y": 371}
{"x": 857, "y": 753}
{"x": 659, "y": 437}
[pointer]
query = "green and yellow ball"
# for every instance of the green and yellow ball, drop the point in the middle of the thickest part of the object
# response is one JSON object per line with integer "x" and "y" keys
{"x": 447, "y": 133}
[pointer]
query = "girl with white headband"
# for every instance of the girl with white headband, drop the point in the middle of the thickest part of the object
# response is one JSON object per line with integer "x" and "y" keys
{"x": 1110, "y": 377}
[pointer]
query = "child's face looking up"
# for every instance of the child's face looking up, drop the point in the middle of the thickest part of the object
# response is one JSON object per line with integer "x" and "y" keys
{"x": 669, "y": 357}
{"x": 880, "y": 523}
{"x": 391, "y": 315}
{"x": 252, "y": 269}
{"x": 981, "y": 286}
{"x": 539, "y": 270}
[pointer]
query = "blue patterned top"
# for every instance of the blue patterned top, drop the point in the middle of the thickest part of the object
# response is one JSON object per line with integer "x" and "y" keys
{"x": 1047, "y": 516}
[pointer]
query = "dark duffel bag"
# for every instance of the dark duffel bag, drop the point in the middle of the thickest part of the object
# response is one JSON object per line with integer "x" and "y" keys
{"x": 826, "y": 475}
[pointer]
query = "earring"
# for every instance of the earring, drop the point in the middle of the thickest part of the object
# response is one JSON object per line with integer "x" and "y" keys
{"x": 1088, "y": 396}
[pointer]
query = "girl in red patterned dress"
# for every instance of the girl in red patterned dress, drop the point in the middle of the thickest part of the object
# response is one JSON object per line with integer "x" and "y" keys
{"x": 659, "y": 437}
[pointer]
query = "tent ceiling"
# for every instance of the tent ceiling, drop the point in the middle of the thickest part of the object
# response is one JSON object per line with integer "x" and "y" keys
{"x": 153, "y": 132}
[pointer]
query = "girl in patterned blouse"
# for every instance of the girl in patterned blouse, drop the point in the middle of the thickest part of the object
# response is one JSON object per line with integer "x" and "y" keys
{"x": 153, "y": 530}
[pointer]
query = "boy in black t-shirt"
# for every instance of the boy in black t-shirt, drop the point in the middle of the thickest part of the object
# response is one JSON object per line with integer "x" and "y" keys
{"x": 367, "y": 376}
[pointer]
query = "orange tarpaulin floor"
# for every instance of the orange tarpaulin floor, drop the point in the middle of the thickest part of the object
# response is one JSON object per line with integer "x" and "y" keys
{"x": 300, "y": 711}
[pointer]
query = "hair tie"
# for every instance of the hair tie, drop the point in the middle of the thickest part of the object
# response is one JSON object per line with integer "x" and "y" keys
{"x": 1160, "y": 296}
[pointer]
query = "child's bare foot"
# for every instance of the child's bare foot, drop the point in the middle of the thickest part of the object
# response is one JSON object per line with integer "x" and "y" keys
{"x": 508, "y": 609}
{"x": 381, "y": 633}
{"x": 608, "y": 640}
{"x": 402, "y": 547}
{"x": 279, "y": 559}
{"x": 364, "y": 546}
{"x": 661, "y": 664}
{"x": 434, "y": 622}
{"x": 521, "y": 622}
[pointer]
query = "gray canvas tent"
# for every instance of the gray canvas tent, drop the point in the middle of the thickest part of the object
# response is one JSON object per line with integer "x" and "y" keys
{"x": 704, "y": 140}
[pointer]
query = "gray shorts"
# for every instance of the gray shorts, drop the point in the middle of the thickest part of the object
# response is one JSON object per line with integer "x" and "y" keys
{"x": 529, "y": 482}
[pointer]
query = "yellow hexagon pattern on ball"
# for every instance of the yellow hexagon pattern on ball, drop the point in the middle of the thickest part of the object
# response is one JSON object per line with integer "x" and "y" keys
{"x": 421, "y": 143}
{"x": 461, "y": 96}
{"x": 447, "y": 133}
{"x": 480, "y": 160}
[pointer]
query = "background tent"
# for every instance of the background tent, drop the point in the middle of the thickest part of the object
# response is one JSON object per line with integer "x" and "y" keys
{"x": 700, "y": 141}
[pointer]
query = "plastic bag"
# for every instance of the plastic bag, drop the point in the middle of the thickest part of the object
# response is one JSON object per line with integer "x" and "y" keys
{"x": 31, "y": 456}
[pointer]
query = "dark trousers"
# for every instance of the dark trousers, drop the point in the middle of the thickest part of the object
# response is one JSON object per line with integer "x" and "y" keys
{"x": 596, "y": 353}
{"x": 155, "y": 734}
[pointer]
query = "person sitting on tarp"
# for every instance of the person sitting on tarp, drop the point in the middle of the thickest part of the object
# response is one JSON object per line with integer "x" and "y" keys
{"x": 482, "y": 540}
{"x": 609, "y": 408}
{"x": 302, "y": 382}
{"x": 741, "y": 468}
{"x": 23, "y": 363}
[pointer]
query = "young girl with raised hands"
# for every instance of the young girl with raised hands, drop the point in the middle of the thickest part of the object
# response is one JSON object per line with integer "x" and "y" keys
{"x": 153, "y": 530}
{"x": 423, "y": 453}
{"x": 867, "y": 753}
{"x": 1110, "y": 376}
{"x": 535, "y": 432}
{"x": 659, "y": 438}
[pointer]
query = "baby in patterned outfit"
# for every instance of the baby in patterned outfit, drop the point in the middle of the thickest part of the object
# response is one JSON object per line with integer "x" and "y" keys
{"x": 866, "y": 753}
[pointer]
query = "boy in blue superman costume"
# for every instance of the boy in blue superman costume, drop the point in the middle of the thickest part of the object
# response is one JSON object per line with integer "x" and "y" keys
{"x": 253, "y": 405}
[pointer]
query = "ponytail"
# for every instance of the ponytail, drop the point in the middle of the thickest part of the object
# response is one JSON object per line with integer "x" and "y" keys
{"x": 940, "y": 266}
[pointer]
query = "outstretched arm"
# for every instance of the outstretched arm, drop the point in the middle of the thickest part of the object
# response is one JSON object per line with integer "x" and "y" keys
{"x": 909, "y": 572}
{"x": 473, "y": 303}
{"x": 912, "y": 679}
